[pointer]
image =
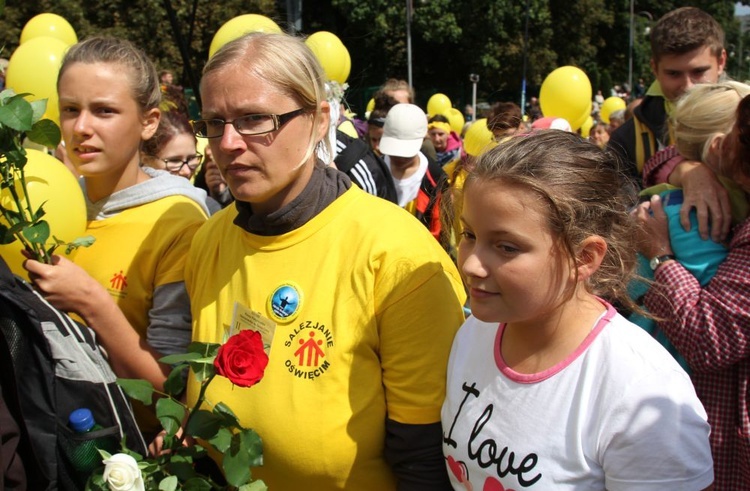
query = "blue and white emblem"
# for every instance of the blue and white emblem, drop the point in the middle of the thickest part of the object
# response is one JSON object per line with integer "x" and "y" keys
{"x": 284, "y": 303}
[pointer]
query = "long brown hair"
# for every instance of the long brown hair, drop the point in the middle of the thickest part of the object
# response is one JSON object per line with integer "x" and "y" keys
{"x": 584, "y": 192}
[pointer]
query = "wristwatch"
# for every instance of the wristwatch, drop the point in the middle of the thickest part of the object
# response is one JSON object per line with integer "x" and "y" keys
{"x": 658, "y": 260}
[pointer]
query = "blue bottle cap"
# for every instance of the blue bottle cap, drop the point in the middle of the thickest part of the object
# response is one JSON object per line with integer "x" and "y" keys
{"x": 81, "y": 420}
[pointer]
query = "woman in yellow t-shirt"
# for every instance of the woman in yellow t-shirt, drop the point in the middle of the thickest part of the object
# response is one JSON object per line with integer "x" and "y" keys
{"x": 128, "y": 286}
{"x": 356, "y": 301}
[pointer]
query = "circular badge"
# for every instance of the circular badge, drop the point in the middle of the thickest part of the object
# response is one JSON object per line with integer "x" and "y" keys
{"x": 284, "y": 303}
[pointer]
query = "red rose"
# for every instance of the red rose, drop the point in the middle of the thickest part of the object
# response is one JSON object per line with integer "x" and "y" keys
{"x": 242, "y": 359}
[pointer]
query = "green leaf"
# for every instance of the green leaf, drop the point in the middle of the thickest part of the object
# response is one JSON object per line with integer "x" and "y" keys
{"x": 168, "y": 484}
{"x": 179, "y": 358}
{"x": 175, "y": 383}
{"x": 230, "y": 419}
{"x": 197, "y": 484}
{"x": 138, "y": 389}
{"x": 105, "y": 455}
{"x": 222, "y": 440}
{"x": 14, "y": 215}
{"x": 52, "y": 249}
{"x": 37, "y": 233}
{"x": 194, "y": 452}
{"x": 5, "y": 236}
{"x": 254, "y": 446}
{"x": 85, "y": 241}
{"x": 170, "y": 414}
{"x": 18, "y": 227}
{"x": 17, "y": 114}
{"x": 17, "y": 158}
{"x": 254, "y": 486}
{"x": 204, "y": 424}
{"x": 236, "y": 462}
{"x": 124, "y": 449}
{"x": 202, "y": 371}
{"x": 181, "y": 467}
{"x": 45, "y": 132}
{"x": 5, "y": 95}
{"x": 206, "y": 349}
{"x": 96, "y": 483}
{"x": 38, "y": 108}
{"x": 39, "y": 213}
{"x": 169, "y": 442}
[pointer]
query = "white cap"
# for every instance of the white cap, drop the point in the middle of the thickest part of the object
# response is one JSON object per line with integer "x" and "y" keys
{"x": 404, "y": 131}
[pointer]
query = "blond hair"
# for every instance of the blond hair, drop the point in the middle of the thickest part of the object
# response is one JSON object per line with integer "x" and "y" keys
{"x": 706, "y": 110}
{"x": 286, "y": 63}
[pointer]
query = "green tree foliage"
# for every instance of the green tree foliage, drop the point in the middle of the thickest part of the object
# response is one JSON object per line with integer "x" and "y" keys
{"x": 450, "y": 38}
{"x": 144, "y": 22}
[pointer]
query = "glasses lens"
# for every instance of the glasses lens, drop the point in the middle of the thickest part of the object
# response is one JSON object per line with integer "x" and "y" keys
{"x": 173, "y": 164}
{"x": 254, "y": 124}
{"x": 194, "y": 161}
{"x": 199, "y": 128}
{"x": 208, "y": 128}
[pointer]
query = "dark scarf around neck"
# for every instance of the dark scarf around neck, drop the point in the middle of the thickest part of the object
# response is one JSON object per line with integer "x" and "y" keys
{"x": 325, "y": 185}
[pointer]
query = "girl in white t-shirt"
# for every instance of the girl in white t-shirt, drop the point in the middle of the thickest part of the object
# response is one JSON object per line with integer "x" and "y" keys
{"x": 548, "y": 386}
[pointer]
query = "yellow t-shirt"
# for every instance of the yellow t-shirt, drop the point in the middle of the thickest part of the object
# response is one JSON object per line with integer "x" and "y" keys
{"x": 365, "y": 304}
{"x": 139, "y": 249}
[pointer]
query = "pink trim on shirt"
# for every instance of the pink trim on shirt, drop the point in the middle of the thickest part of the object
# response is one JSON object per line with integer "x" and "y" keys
{"x": 531, "y": 378}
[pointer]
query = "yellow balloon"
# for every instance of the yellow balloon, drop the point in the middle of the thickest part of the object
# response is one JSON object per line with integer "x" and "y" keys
{"x": 50, "y": 184}
{"x": 33, "y": 69}
{"x": 610, "y": 105}
{"x": 332, "y": 55}
{"x": 49, "y": 25}
{"x": 438, "y": 104}
{"x": 370, "y": 105}
{"x": 478, "y": 138}
{"x": 566, "y": 93}
{"x": 578, "y": 122}
{"x": 586, "y": 127}
{"x": 236, "y": 27}
{"x": 455, "y": 119}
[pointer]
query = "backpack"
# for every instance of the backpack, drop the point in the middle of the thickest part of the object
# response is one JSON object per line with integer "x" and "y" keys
{"x": 51, "y": 365}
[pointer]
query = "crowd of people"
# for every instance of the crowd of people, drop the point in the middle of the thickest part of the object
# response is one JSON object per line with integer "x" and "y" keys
{"x": 450, "y": 310}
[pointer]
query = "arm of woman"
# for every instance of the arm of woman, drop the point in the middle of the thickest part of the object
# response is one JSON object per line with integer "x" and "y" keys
{"x": 420, "y": 315}
{"x": 69, "y": 288}
{"x": 709, "y": 326}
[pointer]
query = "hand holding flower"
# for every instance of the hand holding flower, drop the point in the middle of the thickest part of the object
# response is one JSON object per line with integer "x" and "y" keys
{"x": 242, "y": 360}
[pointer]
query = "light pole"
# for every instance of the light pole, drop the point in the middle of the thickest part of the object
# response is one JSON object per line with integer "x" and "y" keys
{"x": 408, "y": 39}
{"x": 525, "y": 56}
{"x": 630, "y": 45}
{"x": 474, "y": 78}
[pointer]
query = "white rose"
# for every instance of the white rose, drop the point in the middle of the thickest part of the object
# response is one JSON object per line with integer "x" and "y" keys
{"x": 121, "y": 473}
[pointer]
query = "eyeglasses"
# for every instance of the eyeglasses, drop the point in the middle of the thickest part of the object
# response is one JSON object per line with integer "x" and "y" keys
{"x": 175, "y": 164}
{"x": 251, "y": 124}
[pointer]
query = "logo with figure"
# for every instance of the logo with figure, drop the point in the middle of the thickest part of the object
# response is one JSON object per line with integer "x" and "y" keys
{"x": 118, "y": 284}
{"x": 284, "y": 303}
{"x": 308, "y": 344}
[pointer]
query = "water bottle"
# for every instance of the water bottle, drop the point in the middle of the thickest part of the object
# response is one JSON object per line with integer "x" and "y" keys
{"x": 84, "y": 456}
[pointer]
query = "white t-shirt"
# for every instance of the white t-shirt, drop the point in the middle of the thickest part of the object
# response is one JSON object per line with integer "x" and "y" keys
{"x": 618, "y": 414}
{"x": 407, "y": 189}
